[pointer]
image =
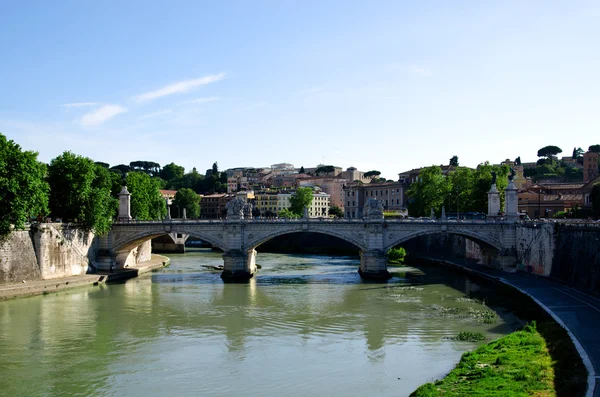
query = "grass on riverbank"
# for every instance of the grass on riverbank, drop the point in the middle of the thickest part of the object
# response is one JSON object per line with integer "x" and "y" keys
{"x": 518, "y": 364}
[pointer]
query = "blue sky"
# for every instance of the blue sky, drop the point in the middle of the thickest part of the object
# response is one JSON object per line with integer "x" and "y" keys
{"x": 386, "y": 85}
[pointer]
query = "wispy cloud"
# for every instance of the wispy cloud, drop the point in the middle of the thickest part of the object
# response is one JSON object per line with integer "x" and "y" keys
{"x": 311, "y": 90}
{"x": 179, "y": 87}
{"x": 420, "y": 70}
{"x": 200, "y": 100}
{"x": 100, "y": 115}
{"x": 80, "y": 104}
{"x": 155, "y": 114}
{"x": 254, "y": 106}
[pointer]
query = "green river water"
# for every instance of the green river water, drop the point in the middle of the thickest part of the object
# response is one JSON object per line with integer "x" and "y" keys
{"x": 304, "y": 326}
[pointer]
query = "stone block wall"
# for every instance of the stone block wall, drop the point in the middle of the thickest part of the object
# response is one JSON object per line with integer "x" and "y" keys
{"x": 18, "y": 262}
{"x": 535, "y": 248}
{"x": 63, "y": 250}
{"x": 577, "y": 256}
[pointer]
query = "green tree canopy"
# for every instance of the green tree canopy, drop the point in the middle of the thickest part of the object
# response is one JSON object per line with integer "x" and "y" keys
{"x": 577, "y": 153}
{"x": 461, "y": 196}
{"x": 101, "y": 164}
{"x": 80, "y": 190}
{"x": 149, "y": 167}
{"x": 549, "y": 151}
{"x": 454, "y": 161}
{"x": 287, "y": 214}
{"x": 171, "y": 172}
{"x": 482, "y": 182}
{"x": 188, "y": 199}
{"x": 302, "y": 170}
{"x": 430, "y": 191}
{"x": 146, "y": 201}
{"x": 300, "y": 199}
{"x": 336, "y": 211}
{"x": 594, "y": 148}
{"x": 324, "y": 169}
{"x": 23, "y": 189}
{"x": 122, "y": 168}
{"x": 372, "y": 174}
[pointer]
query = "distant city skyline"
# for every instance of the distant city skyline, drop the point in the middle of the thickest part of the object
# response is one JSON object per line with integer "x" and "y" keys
{"x": 387, "y": 85}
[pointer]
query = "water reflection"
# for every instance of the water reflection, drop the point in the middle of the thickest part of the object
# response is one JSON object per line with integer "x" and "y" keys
{"x": 304, "y": 325}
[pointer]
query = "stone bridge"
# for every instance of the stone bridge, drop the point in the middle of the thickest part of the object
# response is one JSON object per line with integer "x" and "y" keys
{"x": 238, "y": 238}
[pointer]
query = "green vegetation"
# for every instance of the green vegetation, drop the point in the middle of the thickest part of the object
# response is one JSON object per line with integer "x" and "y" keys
{"x": 336, "y": 211}
{"x": 396, "y": 256}
{"x": 468, "y": 336}
{"x": 287, "y": 214}
{"x": 594, "y": 148}
{"x": 146, "y": 201}
{"x": 190, "y": 200}
{"x": 23, "y": 190}
{"x": 81, "y": 192}
{"x": 454, "y": 161}
{"x": 518, "y": 364}
{"x": 549, "y": 151}
{"x": 372, "y": 174}
{"x": 301, "y": 199}
{"x": 324, "y": 169}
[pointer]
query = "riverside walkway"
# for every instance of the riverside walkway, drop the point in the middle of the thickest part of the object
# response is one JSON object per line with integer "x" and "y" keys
{"x": 574, "y": 310}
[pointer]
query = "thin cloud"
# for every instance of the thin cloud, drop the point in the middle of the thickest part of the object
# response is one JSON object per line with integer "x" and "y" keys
{"x": 254, "y": 106}
{"x": 420, "y": 70}
{"x": 80, "y": 104}
{"x": 155, "y": 114}
{"x": 200, "y": 100}
{"x": 311, "y": 90}
{"x": 180, "y": 87}
{"x": 100, "y": 115}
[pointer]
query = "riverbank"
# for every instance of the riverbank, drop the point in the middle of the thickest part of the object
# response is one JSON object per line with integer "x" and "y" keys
{"x": 566, "y": 319}
{"x": 517, "y": 364}
{"x": 42, "y": 287}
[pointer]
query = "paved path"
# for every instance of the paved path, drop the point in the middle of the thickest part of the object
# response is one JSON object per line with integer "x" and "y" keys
{"x": 576, "y": 311}
{"x": 39, "y": 287}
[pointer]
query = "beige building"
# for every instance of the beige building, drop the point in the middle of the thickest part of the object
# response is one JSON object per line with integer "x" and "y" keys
{"x": 270, "y": 204}
{"x": 332, "y": 186}
{"x": 391, "y": 194}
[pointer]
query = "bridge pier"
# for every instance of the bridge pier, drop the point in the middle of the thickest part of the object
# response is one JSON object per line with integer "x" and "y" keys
{"x": 239, "y": 265}
{"x": 373, "y": 265}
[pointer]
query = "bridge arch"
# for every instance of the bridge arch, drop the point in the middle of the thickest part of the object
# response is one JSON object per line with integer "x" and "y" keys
{"x": 130, "y": 241}
{"x": 263, "y": 238}
{"x": 479, "y": 238}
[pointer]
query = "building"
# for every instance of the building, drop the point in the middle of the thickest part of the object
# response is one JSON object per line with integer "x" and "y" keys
{"x": 271, "y": 203}
{"x": 214, "y": 206}
{"x": 590, "y": 166}
{"x": 391, "y": 194}
{"x": 352, "y": 175}
{"x": 544, "y": 200}
{"x": 332, "y": 186}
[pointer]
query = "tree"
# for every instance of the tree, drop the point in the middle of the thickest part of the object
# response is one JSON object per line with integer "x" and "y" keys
{"x": 482, "y": 182}
{"x": 100, "y": 163}
{"x": 172, "y": 171}
{"x": 190, "y": 200}
{"x": 302, "y": 170}
{"x": 595, "y": 198}
{"x": 146, "y": 201}
{"x": 594, "y": 148}
{"x": 149, "y": 167}
{"x": 430, "y": 191}
{"x": 454, "y": 161}
{"x": 372, "y": 174}
{"x": 324, "y": 169}
{"x": 577, "y": 153}
{"x": 23, "y": 190}
{"x": 122, "y": 168}
{"x": 80, "y": 190}
{"x": 336, "y": 211}
{"x": 549, "y": 151}
{"x": 287, "y": 214}
{"x": 215, "y": 169}
{"x": 301, "y": 199}
{"x": 460, "y": 198}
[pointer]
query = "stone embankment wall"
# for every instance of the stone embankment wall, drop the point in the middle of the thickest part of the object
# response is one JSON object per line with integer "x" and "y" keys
{"x": 17, "y": 258}
{"x": 536, "y": 247}
{"x": 577, "y": 256}
{"x": 53, "y": 251}
{"x": 63, "y": 250}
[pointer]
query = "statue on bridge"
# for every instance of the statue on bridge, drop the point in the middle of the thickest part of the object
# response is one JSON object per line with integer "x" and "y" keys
{"x": 373, "y": 209}
{"x": 235, "y": 208}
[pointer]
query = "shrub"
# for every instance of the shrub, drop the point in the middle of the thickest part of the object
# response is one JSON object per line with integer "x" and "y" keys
{"x": 396, "y": 256}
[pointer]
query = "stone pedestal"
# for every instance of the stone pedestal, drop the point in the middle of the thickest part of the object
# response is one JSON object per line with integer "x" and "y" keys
{"x": 373, "y": 265}
{"x": 493, "y": 202}
{"x": 511, "y": 202}
{"x": 124, "y": 205}
{"x": 168, "y": 209}
{"x": 184, "y": 214}
{"x": 238, "y": 265}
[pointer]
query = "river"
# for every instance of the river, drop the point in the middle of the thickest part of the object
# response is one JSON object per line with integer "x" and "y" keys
{"x": 304, "y": 326}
